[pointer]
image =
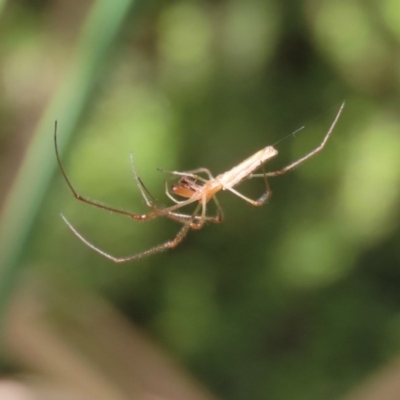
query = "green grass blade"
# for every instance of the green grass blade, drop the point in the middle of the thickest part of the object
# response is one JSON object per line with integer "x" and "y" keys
{"x": 100, "y": 31}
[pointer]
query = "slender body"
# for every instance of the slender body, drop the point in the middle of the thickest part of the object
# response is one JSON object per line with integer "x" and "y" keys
{"x": 237, "y": 174}
{"x": 194, "y": 188}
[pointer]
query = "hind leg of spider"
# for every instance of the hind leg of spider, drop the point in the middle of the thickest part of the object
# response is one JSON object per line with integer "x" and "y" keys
{"x": 156, "y": 249}
{"x": 262, "y": 199}
{"x": 307, "y": 156}
{"x": 138, "y": 217}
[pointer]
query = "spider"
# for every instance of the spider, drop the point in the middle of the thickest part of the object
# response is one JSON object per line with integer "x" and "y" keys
{"x": 193, "y": 188}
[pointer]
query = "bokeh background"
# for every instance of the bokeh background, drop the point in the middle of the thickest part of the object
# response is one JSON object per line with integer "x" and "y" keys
{"x": 298, "y": 299}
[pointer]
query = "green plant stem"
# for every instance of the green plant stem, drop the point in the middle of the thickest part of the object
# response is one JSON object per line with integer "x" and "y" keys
{"x": 100, "y": 31}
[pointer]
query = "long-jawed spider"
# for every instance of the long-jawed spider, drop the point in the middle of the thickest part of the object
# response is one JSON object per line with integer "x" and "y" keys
{"x": 194, "y": 189}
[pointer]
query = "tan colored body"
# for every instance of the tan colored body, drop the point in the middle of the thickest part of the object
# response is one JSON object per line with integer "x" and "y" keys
{"x": 225, "y": 181}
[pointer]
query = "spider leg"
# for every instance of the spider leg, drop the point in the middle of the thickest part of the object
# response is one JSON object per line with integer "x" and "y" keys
{"x": 149, "y": 199}
{"x": 184, "y": 218}
{"x": 202, "y": 218}
{"x": 220, "y": 214}
{"x": 307, "y": 156}
{"x": 262, "y": 199}
{"x": 259, "y": 202}
{"x": 217, "y": 219}
{"x": 156, "y": 249}
{"x": 195, "y": 222}
{"x": 201, "y": 170}
{"x": 138, "y": 217}
{"x": 168, "y": 193}
{"x": 191, "y": 174}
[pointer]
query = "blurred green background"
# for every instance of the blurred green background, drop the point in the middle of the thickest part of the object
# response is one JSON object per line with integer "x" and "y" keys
{"x": 298, "y": 299}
